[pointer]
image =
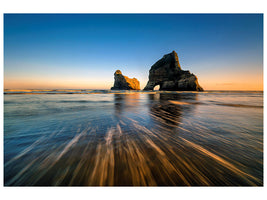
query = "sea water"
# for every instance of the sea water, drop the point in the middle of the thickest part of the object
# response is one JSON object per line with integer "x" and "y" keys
{"x": 125, "y": 138}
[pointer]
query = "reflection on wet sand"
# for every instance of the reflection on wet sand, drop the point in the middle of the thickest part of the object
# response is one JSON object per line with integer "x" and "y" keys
{"x": 161, "y": 147}
{"x": 125, "y": 102}
{"x": 165, "y": 112}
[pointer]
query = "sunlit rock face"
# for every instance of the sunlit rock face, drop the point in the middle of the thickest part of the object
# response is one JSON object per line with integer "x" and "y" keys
{"x": 167, "y": 73}
{"x": 124, "y": 83}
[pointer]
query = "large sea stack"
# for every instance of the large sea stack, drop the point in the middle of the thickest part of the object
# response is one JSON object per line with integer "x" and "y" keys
{"x": 124, "y": 83}
{"x": 167, "y": 73}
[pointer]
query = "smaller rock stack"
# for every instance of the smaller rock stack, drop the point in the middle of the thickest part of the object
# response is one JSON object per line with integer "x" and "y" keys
{"x": 124, "y": 83}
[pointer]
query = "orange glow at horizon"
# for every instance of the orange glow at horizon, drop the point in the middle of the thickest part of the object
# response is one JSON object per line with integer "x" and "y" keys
{"x": 248, "y": 82}
{"x": 232, "y": 81}
{"x": 23, "y": 83}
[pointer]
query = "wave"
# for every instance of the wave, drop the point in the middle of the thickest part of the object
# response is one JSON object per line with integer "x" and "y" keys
{"x": 213, "y": 103}
{"x": 83, "y": 101}
{"x": 239, "y": 105}
{"x": 89, "y": 91}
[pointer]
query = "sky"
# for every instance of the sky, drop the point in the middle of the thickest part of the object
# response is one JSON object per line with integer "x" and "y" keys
{"x": 82, "y": 51}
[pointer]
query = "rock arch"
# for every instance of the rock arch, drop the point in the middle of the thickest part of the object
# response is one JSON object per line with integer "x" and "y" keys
{"x": 167, "y": 73}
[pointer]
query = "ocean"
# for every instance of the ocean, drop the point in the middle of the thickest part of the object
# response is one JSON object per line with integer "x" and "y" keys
{"x": 129, "y": 138}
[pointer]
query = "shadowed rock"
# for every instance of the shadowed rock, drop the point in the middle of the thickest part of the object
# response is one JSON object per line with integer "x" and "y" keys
{"x": 124, "y": 83}
{"x": 167, "y": 73}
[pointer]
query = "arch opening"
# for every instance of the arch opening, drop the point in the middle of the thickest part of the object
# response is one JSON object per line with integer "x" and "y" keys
{"x": 156, "y": 88}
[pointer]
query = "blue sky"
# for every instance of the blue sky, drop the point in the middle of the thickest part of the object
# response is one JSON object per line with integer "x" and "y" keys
{"x": 225, "y": 51}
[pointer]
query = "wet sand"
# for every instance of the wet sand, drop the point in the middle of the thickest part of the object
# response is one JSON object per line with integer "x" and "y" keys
{"x": 137, "y": 139}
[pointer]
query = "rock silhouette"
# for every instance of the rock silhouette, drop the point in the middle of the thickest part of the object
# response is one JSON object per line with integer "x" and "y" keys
{"x": 167, "y": 73}
{"x": 124, "y": 83}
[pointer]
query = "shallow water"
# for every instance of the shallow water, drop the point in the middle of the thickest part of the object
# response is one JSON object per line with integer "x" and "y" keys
{"x": 122, "y": 138}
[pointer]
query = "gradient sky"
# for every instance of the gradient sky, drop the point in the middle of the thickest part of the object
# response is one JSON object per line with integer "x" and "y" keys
{"x": 82, "y": 51}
